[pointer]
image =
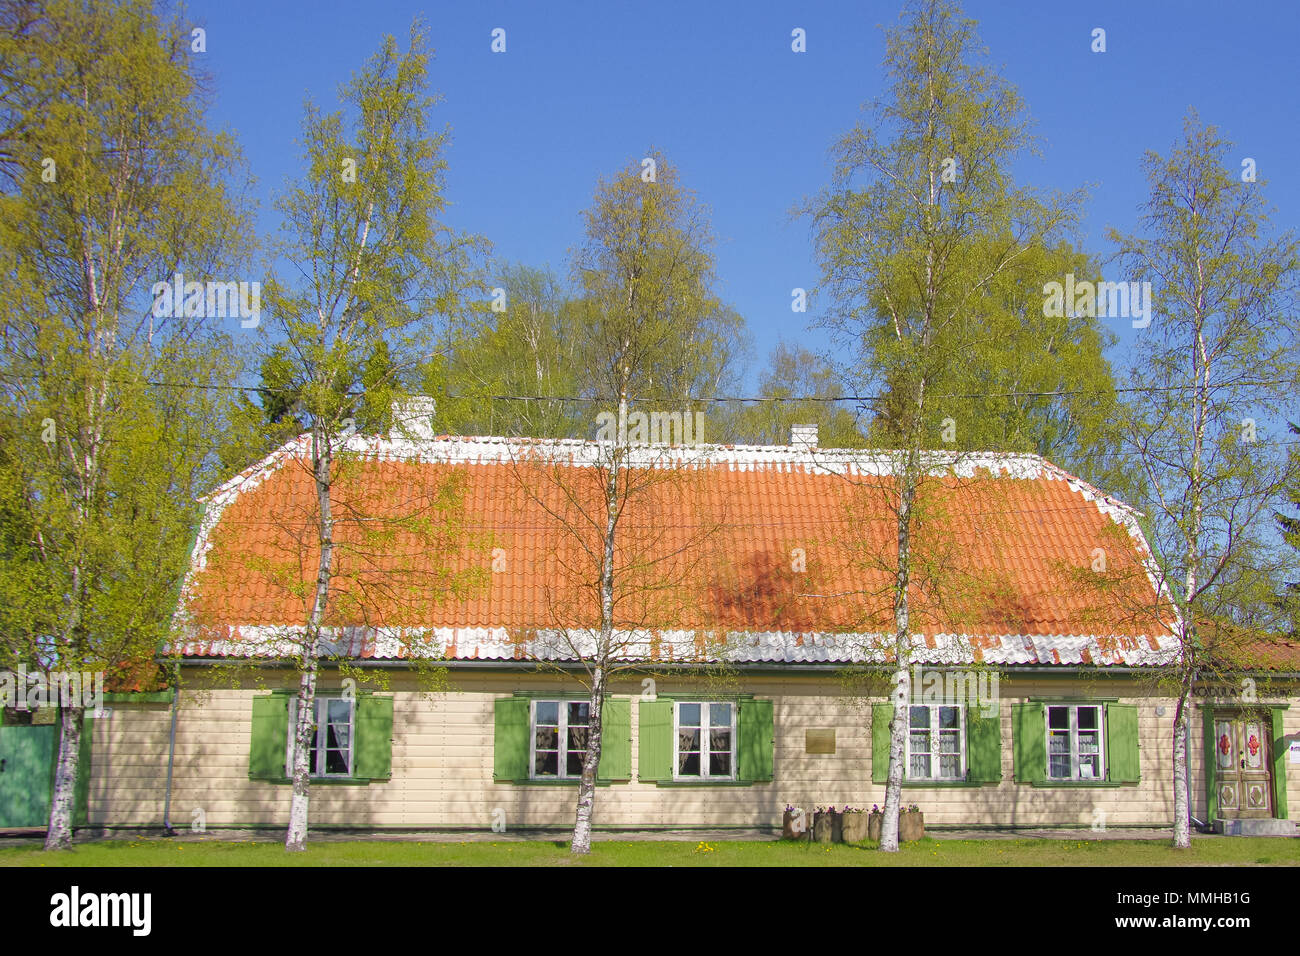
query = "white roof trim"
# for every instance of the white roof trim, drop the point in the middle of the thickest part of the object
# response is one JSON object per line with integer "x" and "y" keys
{"x": 478, "y": 643}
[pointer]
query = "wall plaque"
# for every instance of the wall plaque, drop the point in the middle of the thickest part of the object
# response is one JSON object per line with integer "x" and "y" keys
{"x": 820, "y": 741}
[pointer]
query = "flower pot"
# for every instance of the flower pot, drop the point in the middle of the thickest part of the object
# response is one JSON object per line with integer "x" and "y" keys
{"x": 795, "y": 825}
{"x": 854, "y": 825}
{"x": 826, "y": 827}
{"x": 911, "y": 826}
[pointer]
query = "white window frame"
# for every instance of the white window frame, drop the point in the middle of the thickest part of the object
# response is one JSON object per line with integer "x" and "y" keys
{"x": 321, "y": 728}
{"x": 1102, "y": 761}
{"x": 933, "y": 752}
{"x": 704, "y": 776}
{"x": 562, "y": 757}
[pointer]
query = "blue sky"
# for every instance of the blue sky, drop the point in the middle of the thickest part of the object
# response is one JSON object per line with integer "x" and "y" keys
{"x": 584, "y": 87}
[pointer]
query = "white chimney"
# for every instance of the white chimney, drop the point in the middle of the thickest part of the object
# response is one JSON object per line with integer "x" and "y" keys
{"x": 413, "y": 419}
{"x": 803, "y": 437}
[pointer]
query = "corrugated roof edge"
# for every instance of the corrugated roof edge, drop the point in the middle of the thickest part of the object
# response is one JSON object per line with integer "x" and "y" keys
{"x": 496, "y": 643}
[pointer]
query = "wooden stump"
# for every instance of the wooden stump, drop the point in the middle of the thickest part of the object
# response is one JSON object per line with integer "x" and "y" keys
{"x": 874, "y": 823}
{"x": 825, "y": 826}
{"x": 855, "y": 826}
{"x": 795, "y": 825}
{"x": 911, "y": 826}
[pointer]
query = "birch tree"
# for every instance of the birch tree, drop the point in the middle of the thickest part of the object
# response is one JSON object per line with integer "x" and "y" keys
{"x": 111, "y": 401}
{"x": 1286, "y": 602}
{"x": 1033, "y": 382}
{"x": 794, "y": 373}
{"x": 1218, "y": 372}
{"x": 912, "y": 235}
{"x": 373, "y": 270}
{"x": 652, "y": 335}
{"x": 524, "y": 345}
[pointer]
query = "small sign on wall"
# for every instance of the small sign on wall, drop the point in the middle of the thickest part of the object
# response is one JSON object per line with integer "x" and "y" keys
{"x": 819, "y": 741}
{"x": 1295, "y": 751}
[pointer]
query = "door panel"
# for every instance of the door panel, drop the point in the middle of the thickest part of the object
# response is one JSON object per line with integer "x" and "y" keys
{"x": 1256, "y": 785}
{"x": 1244, "y": 767}
{"x": 26, "y": 759}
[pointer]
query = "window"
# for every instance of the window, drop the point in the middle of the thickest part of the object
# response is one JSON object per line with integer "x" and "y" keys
{"x": 945, "y": 745}
{"x": 540, "y": 740}
{"x": 1074, "y": 750}
{"x": 332, "y": 738}
{"x": 935, "y": 750}
{"x": 351, "y": 742}
{"x": 1064, "y": 744}
{"x": 706, "y": 741}
{"x": 559, "y": 738}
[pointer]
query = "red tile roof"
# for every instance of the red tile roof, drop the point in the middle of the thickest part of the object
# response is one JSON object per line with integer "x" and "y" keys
{"x": 1231, "y": 647}
{"x": 784, "y": 554}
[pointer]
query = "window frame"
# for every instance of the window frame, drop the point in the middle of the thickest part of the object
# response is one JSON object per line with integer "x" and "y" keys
{"x": 562, "y": 743}
{"x": 705, "y": 750}
{"x": 320, "y": 742}
{"x": 934, "y": 730}
{"x": 1102, "y": 754}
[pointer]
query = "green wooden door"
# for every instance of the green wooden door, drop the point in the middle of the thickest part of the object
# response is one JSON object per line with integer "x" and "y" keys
{"x": 26, "y": 765}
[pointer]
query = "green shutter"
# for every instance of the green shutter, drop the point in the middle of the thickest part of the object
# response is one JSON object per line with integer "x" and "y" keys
{"x": 1279, "y": 766}
{"x": 510, "y": 744}
{"x": 1029, "y": 742}
{"x": 373, "y": 748}
{"x": 270, "y": 736}
{"x": 1122, "y": 762}
{"x": 655, "y": 741}
{"x": 756, "y": 741}
{"x": 1211, "y": 765}
{"x": 81, "y": 792}
{"x": 983, "y": 746}
{"x": 615, "y": 740}
{"x": 881, "y": 715}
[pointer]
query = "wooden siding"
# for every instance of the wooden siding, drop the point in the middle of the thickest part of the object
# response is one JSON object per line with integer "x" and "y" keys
{"x": 443, "y": 759}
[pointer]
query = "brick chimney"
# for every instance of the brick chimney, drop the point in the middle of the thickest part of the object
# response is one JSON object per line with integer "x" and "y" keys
{"x": 414, "y": 418}
{"x": 803, "y": 437}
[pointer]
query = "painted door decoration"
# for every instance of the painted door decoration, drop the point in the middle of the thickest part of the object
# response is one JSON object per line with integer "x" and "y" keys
{"x": 1244, "y": 767}
{"x": 26, "y": 762}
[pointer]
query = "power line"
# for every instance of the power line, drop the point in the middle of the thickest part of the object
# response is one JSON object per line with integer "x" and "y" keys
{"x": 1074, "y": 459}
{"x": 865, "y": 399}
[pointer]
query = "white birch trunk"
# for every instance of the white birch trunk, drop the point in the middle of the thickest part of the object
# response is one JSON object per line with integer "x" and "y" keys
{"x": 902, "y": 607}
{"x": 587, "y": 785}
{"x": 1188, "y": 652}
{"x": 1182, "y": 770}
{"x": 591, "y": 760}
{"x": 1188, "y": 660}
{"x": 902, "y": 660}
{"x": 59, "y": 834}
{"x": 894, "y": 781}
{"x": 1182, "y": 812}
{"x": 296, "y": 837}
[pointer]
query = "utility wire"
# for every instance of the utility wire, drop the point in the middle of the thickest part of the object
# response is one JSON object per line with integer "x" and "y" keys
{"x": 1073, "y": 459}
{"x": 767, "y": 398}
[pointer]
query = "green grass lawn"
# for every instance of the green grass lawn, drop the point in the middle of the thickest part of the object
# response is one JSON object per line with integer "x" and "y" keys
{"x": 928, "y": 852}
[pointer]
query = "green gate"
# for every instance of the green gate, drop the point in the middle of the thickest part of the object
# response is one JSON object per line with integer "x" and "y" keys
{"x": 26, "y": 774}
